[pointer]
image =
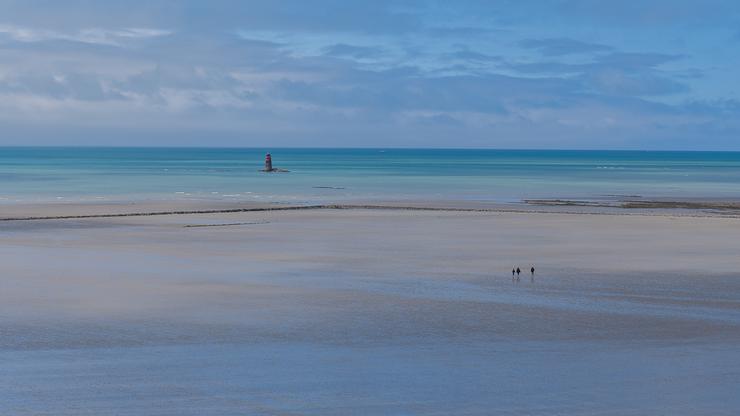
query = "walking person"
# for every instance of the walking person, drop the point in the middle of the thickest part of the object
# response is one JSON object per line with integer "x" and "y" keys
{"x": 532, "y": 271}
{"x": 518, "y": 271}
{"x": 513, "y": 272}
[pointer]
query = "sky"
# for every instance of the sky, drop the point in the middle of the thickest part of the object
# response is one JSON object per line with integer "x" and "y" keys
{"x": 565, "y": 74}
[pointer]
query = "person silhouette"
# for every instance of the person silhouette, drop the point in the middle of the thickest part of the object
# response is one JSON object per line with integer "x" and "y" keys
{"x": 513, "y": 272}
{"x": 517, "y": 273}
{"x": 532, "y": 270}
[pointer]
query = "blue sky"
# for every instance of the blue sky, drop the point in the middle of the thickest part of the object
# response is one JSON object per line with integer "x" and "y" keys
{"x": 647, "y": 74}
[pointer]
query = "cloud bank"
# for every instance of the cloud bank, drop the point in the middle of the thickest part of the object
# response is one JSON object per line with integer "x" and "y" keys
{"x": 557, "y": 74}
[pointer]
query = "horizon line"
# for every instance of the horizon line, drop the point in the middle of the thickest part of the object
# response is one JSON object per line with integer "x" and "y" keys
{"x": 363, "y": 148}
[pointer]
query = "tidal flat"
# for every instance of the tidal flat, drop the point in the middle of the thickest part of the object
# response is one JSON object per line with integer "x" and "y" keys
{"x": 370, "y": 312}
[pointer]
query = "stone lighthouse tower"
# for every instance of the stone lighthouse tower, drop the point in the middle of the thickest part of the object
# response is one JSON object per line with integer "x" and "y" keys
{"x": 268, "y": 163}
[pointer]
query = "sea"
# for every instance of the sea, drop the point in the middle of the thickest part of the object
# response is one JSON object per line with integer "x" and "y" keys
{"x": 90, "y": 174}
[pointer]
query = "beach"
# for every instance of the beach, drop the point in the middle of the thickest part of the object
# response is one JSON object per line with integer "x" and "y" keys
{"x": 369, "y": 208}
{"x": 383, "y": 309}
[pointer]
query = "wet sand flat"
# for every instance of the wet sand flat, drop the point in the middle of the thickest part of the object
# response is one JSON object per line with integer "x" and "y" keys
{"x": 335, "y": 312}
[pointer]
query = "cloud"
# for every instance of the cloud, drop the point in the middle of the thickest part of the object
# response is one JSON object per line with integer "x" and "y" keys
{"x": 344, "y": 50}
{"x": 407, "y": 72}
{"x": 619, "y": 82}
{"x": 616, "y": 73}
{"x": 472, "y": 56}
{"x": 195, "y": 16}
{"x": 653, "y": 13}
{"x": 90, "y": 35}
{"x": 78, "y": 86}
{"x": 563, "y": 46}
{"x": 617, "y": 60}
{"x": 637, "y": 60}
{"x": 440, "y": 120}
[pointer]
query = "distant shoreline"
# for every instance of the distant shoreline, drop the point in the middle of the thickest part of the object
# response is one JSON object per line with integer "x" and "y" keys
{"x": 644, "y": 204}
{"x": 664, "y": 208}
{"x": 267, "y": 147}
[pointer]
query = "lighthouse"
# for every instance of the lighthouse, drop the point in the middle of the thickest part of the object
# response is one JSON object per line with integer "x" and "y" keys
{"x": 268, "y": 165}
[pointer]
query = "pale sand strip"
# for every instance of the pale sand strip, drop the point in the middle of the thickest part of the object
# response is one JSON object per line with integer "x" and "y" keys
{"x": 88, "y": 211}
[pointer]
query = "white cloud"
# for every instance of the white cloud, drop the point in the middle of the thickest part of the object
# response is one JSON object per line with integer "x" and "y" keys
{"x": 348, "y": 78}
{"x": 96, "y": 36}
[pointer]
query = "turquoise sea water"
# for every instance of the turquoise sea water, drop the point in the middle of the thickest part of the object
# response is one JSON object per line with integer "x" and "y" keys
{"x": 320, "y": 175}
